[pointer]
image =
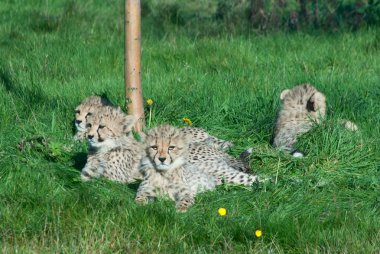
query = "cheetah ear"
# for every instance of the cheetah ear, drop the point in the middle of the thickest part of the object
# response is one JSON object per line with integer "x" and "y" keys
{"x": 315, "y": 102}
{"x": 310, "y": 105}
{"x": 283, "y": 94}
{"x": 128, "y": 123}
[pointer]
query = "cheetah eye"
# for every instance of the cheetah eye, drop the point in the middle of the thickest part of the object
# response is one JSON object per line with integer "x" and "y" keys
{"x": 101, "y": 126}
{"x": 171, "y": 148}
{"x": 88, "y": 125}
{"x": 154, "y": 147}
{"x": 77, "y": 111}
{"x": 89, "y": 114}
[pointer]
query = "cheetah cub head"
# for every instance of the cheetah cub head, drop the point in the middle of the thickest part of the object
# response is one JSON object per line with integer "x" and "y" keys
{"x": 305, "y": 100}
{"x": 107, "y": 126}
{"x": 87, "y": 107}
{"x": 167, "y": 147}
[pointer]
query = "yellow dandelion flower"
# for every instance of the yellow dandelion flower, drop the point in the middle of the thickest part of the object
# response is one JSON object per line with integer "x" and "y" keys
{"x": 188, "y": 121}
{"x": 258, "y": 233}
{"x": 149, "y": 101}
{"x": 222, "y": 211}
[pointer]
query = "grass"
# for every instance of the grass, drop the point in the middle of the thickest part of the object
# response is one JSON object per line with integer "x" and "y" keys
{"x": 55, "y": 53}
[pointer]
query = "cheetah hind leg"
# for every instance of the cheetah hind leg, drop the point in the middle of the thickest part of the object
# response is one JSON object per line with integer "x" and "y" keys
{"x": 90, "y": 170}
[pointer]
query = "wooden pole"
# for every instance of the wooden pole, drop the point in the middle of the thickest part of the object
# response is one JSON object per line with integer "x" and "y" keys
{"x": 132, "y": 72}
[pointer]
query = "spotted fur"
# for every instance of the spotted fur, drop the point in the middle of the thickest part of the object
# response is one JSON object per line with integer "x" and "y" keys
{"x": 221, "y": 166}
{"x": 199, "y": 135}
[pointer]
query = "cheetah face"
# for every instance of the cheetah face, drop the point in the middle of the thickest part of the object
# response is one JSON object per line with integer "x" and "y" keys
{"x": 167, "y": 147}
{"x": 98, "y": 131}
{"x": 81, "y": 113}
{"x": 305, "y": 99}
{"x": 87, "y": 107}
{"x": 105, "y": 128}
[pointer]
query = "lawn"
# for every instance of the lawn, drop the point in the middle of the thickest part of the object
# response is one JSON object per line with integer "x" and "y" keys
{"x": 55, "y": 53}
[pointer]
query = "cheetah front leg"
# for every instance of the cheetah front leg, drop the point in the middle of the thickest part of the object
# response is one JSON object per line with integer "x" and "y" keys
{"x": 184, "y": 199}
{"x": 145, "y": 193}
{"x": 90, "y": 169}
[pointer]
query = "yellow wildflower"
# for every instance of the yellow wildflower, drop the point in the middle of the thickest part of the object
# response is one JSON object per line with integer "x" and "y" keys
{"x": 258, "y": 233}
{"x": 187, "y": 120}
{"x": 149, "y": 102}
{"x": 222, "y": 211}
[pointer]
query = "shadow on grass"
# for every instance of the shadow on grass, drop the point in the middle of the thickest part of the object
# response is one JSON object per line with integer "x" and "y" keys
{"x": 79, "y": 160}
{"x": 30, "y": 96}
{"x": 72, "y": 14}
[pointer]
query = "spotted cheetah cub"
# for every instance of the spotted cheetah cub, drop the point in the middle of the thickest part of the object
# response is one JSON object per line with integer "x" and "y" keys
{"x": 87, "y": 107}
{"x": 199, "y": 135}
{"x": 114, "y": 153}
{"x": 302, "y": 106}
{"x": 168, "y": 170}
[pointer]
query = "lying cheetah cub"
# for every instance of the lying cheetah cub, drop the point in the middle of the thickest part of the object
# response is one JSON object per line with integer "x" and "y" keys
{"x": 168, "y": 172}
{"x": 87, "y": 107}
{"x": 301, "y": 106}
{"x": 114, "y": 153}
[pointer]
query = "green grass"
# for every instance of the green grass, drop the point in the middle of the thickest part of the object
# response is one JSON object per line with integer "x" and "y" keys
{"x": 55, "y": 53}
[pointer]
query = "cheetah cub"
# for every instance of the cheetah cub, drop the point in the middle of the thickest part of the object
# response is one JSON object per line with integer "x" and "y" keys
{"x": 114, "y": 153}
{"x": 88, "y": 106}
{"x": 166, "y": 170}
{"x": 169, "y": 171}
{"x": 302, "y": 106}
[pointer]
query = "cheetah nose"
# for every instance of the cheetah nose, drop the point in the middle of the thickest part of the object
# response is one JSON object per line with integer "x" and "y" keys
{"x": 162, "y": 159}
{"x": 90, "y": 136}
{"x": 78, "y": 121}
